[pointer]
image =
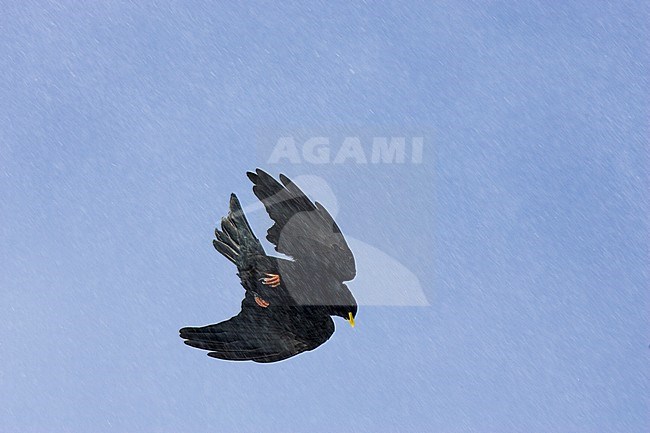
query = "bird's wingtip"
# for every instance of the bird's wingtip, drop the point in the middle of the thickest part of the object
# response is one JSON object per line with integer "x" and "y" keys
{"x": 284, "y": 179}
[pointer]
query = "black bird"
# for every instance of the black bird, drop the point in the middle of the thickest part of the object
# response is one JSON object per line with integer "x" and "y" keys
{"x": 288, "y": 303}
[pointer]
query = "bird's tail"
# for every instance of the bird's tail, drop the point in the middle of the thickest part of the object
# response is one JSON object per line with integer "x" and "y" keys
{"x": 236, "y": 240}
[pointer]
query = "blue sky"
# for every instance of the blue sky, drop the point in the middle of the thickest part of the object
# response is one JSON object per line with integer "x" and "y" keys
{"x": 124, "y": 128}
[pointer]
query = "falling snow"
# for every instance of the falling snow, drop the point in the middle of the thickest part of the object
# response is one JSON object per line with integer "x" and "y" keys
{"x": 503, "y": 279}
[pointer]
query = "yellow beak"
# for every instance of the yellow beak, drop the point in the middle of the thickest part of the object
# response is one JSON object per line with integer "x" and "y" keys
{"x": 351, "y": 319}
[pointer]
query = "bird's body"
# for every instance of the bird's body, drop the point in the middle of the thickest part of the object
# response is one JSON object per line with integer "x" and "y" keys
{"x": 288, "y": 303}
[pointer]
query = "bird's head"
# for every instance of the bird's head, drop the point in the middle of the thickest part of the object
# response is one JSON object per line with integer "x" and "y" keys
{"x": 348, "y": 312}
{"x": 345, "y": 305}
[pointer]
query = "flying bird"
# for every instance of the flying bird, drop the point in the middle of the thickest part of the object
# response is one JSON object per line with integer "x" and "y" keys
{"x": 288, "y": 303}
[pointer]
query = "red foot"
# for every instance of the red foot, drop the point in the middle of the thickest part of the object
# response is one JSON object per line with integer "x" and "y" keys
{"x": 261, "y": 302}
{"x": 272, "y": 280}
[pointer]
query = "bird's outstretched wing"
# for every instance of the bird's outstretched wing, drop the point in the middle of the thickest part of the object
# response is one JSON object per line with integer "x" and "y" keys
{"x": 257, "y": 334}
{"x": 302, "y": 229}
